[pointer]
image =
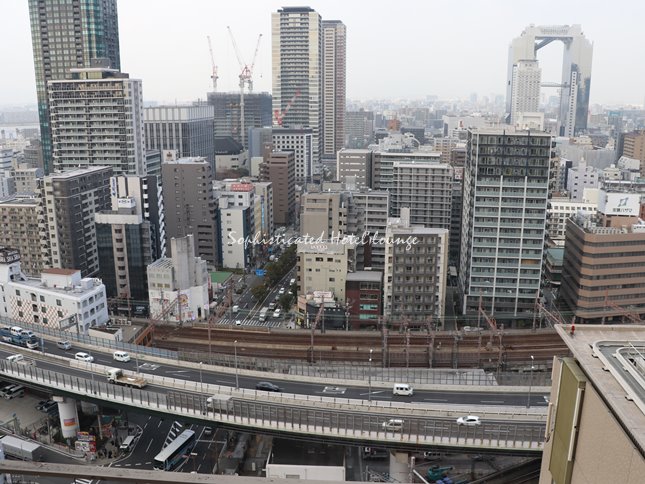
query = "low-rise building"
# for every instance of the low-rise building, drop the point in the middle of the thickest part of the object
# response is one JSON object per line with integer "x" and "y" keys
{"x": 59, "y": 299}
{"x": 178, "y": 286}
{"x": 364, "y": 299}
{"x": 323, "y": 266}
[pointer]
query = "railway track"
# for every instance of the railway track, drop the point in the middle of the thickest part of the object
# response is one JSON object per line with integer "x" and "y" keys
{"x": 342, "y": 346}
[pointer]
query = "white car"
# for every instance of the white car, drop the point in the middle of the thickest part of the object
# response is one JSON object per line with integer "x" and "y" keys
{"x": 238, "y": 322}
{"x": 470, "y": 421}
{"x": 80, "y": 356}
{"x": 281, "y": 291}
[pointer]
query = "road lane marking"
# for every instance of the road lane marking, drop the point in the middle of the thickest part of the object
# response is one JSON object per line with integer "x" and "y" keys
{"x": 149, "y": 444}
{"x": 492, "y": 401}
{"x": 435, "y": 400}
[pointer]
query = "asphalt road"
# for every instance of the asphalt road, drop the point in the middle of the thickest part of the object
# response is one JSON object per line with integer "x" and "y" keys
{"x": 462, "y": 397}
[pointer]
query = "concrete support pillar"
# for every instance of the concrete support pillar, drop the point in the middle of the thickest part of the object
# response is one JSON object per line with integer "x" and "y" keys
{"x": 399, "y": 467}
{"x": 68, "y": 416}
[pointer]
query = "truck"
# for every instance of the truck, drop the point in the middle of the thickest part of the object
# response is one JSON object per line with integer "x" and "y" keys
{"x": 263, "y": 314}
{"x": 117, "y": 377}
{"x": 26, "y": 340}
{"x": 21, "y": 449}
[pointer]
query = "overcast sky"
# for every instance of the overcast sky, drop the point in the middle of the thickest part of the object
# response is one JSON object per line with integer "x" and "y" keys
{"x": 395, "y": 49}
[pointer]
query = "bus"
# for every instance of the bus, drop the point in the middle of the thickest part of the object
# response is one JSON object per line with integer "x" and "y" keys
{"x": 175, "y": 452}
{"x": 263, "y": 314}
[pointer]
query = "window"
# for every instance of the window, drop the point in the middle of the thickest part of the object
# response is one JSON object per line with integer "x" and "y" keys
{"x": 58, "y": 302}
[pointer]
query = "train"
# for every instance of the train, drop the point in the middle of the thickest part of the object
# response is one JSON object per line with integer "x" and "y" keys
{"x": 20, "y": 337}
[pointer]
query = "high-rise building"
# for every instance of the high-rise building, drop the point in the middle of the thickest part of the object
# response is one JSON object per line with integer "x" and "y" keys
{"x": 354, "y": 167}
{"x": 425, "y": 187}
{"x": 228, "y": 113}
{"x": 97, "y": 120}
{"x": 27, "y": 179}
{"x": 334, "y": 37}
{"x": 130, "y": 236}
{"x": 71, "y": 201}
{"x": 576, "y": 72}
{"x": 302, "y": 143}
{"x": 416, "y": 270}
{"x": 187, "y": 129}
{"x": 297, "y": 70}
{"x": 280, "y": 169}
{"x": 526, "y": 89}
{"x": 21, "y": 223}
{"x": 67, "y": 34}
{"x": 190, "y": 207}
{"x": 359, "y": 129}
{"x": 506, "y": 182}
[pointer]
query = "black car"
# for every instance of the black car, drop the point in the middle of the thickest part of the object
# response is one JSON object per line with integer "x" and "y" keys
{"x": 43, "y": 404}
{"x": 267, "y": 386}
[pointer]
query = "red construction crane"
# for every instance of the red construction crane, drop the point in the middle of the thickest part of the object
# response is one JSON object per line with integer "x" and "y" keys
{"x": 279, "y": 115}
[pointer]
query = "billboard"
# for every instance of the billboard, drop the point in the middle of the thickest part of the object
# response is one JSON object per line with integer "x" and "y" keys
{"x": 625, "y": 204}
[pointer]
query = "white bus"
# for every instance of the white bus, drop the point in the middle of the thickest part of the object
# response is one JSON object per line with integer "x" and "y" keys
{"x": 263, "y": 314}
{"x": 175, "y": 452}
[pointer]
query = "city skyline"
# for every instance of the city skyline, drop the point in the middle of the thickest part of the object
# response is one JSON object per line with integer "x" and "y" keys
{"x": 174, "y": 62}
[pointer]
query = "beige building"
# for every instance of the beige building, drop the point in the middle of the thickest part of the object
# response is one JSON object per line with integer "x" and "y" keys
{"x": 323, "y": 214}
{"x": 634, "y": 147}
{"x": 596, "y": 421}
{"x": 22, "y": 225}
{"x": 324, "y": 266}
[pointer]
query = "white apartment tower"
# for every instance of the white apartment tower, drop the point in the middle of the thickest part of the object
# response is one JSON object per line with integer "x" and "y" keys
{"x": 297, "y": 70}
{"x": 97, "y": 120}
{"x": 334, "y": 93}
{"x": 527, "y": 76}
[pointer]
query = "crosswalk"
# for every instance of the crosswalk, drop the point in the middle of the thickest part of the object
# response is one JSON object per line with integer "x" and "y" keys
{"x": 174, "y": 431}
{"x": 271, "y": 323}
{"x": 82, "y": 481}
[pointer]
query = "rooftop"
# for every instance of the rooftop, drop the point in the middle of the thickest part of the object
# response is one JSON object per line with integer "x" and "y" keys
{"x": 31, "y": 202}
{"x": 60, "y": 272}
{"x": 365, "y": 276}
{"x": 220, "y": 277}
{"x": 164, "y": 263}
{"x": 306, "y": 453}
{"x": 613, "y": 359}
{"x": 81, "y": 171}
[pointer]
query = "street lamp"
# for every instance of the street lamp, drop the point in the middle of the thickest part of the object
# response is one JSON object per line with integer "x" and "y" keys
{"x": 237, "y": 381}
{"x": 201, "y": 381}
{"x": 528, "y": 401}
{"x": 369, "y": 379}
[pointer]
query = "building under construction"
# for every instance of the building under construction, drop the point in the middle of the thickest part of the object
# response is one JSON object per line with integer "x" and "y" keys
{"x": 227, "y": 119}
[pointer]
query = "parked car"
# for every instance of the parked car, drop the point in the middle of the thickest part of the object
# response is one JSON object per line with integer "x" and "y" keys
{"x": 470, "y": 421}
{"x": 80, "y": 356}
{"x": 208, "y": 431}
{"x": 42, "y": 404}
{"x": 267, "y": 386}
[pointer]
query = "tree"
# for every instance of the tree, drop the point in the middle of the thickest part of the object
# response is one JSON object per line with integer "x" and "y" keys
{"x": 286, "y": 301}
{"x": 260, "y": 292}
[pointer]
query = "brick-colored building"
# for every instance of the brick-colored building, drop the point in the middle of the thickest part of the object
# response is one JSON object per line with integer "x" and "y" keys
{"x": 364, "y": 296}
{"x": 279, "y": 168}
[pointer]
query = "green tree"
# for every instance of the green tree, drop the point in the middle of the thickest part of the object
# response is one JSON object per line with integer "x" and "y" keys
{"x": 260, "y": 292}
{"x": 286, "y": 301}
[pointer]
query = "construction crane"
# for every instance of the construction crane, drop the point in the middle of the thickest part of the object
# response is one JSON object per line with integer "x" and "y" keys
{"x": 246, "y": 77}
{"x": 624, "y": 312}
{"x": 279, "y": 115}
{"x": 214, "y": 75}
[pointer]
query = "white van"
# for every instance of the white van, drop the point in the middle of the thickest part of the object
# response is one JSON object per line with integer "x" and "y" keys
{"x": 393, "y": 425}
{"x": 121, "y": 356}
{"x": 15, "y": 358}
{"x": 236, "y": 309}
{"x": 126, "y": 445}
{"x": 15, "y": 391}
{"x": 402, "y": 389}
{"x": 16, "y": 330}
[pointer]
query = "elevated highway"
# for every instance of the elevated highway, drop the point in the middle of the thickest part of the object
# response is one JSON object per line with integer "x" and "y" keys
{"x": 332, "y": 419}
